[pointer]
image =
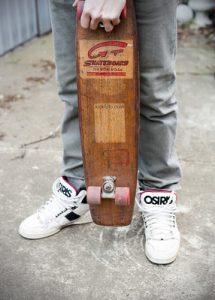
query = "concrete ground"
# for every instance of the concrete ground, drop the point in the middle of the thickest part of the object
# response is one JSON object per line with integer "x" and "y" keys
{"x": 91, "y": 262}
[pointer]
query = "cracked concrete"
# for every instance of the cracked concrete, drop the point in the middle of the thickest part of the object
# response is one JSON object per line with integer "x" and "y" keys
{"x": 92, "y": 262}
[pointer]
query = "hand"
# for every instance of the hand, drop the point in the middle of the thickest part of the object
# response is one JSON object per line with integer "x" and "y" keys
{"x": 106, "y": 11}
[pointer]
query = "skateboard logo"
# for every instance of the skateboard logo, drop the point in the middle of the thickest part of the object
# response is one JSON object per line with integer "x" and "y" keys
{"x": 106, "y": 58}
{"x": 61, "y": 188}
{"x": 157, "y": 200}
{"x": 101, "y": 49}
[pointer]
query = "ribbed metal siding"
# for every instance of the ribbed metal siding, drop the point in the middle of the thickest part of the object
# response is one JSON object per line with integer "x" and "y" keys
{"x": 44, "y": 24}
{"x": 21, "y": 20}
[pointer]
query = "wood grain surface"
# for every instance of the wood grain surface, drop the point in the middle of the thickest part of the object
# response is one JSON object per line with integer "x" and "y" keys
{"x": 108, "y": 93}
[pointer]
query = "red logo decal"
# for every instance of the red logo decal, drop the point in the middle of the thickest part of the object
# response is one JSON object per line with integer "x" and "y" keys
{"x": 96, "y": 50}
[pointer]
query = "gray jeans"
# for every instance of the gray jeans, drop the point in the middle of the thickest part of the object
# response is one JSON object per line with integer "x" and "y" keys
{"x": 156, "y": 20}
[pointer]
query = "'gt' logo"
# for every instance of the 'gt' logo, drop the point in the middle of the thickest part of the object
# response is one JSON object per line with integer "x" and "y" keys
{"x": 97, "y": 51}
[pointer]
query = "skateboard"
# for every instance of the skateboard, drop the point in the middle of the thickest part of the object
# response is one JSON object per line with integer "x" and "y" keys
{"x": 108, "y": 96}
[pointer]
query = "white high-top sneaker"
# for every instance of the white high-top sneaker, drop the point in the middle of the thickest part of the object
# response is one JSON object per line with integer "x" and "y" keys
{"x": 65, "y": 207}
{"x": 161, "y": 232}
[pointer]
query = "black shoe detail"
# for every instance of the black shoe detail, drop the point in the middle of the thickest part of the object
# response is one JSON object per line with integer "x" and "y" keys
{"x": 82, "y": 189}
{"x": 84, "y": 200}
{"x": 72, "y": 216}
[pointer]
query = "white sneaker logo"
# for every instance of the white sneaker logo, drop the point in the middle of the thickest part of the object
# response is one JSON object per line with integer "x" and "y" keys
{"x": 61, "y": 188}
{"x": 157, "y": 200}
{"x": 60, "y": 213}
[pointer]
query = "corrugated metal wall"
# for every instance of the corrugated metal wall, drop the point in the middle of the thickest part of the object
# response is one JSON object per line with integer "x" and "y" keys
{"x": 44, "y": 24}
{"x": 20, "y": 20}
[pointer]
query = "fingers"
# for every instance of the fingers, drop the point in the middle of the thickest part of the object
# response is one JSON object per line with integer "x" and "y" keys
{"x": 108, "y": 25}
{"x": 75, "y": 3}
{"x": 91, "y": 19}
{"x": 94, "y": 23}
{"x": 115, "y": 21}
{"x": 85, "y": 20}
{"x": 88, "y": 21}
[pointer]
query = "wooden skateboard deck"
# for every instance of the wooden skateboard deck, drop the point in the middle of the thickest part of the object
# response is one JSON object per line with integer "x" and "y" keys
{"x": 108, "y": 92}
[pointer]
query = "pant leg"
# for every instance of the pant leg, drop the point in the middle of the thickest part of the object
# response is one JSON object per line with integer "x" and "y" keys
{"x": 158, "y": 164}
{"x": 63, "y": 27}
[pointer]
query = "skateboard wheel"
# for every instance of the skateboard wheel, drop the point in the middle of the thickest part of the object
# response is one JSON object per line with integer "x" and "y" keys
{"x": 94, "y": 195}
{"x": 122, "y": 197}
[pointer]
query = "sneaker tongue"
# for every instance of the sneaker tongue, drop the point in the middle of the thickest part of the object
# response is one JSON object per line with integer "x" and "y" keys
{"x": 64, "y": 190}
{"x": 157, "y": 198}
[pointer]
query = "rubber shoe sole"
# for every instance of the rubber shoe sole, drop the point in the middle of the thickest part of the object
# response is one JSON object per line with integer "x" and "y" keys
{"x": 85, "y": 219}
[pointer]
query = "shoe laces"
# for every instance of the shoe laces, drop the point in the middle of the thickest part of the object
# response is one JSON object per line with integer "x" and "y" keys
{"x": 48, "y": 211}
{"x": 159, "y": 221}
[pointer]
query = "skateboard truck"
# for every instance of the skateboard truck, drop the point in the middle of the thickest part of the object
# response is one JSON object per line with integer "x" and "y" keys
{"x": 96, "y": 194}
{"x": 108, "y": 187}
